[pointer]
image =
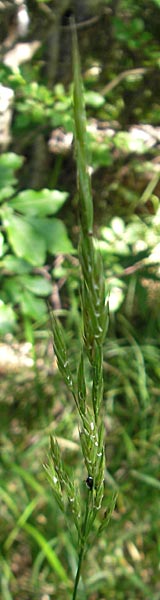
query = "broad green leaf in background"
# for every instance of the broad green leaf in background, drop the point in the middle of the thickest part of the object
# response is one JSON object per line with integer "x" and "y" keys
{"x": 101, "y": 154}
{"x": 116, "y": 294}
{"x": 94, "y": 99}
{"x": 7, "y": 318}
{"x": 33, "y": 307}
{"x": 37, "y": 285}
{"x": 127, "y": 143}
{"x": 22, "y": 290}
{"x": 55, "y": 235}
{"x": 14, "y": 264}
{"x": 24, "y": 238}
{"x": 41, "y": 203}
{"x": 9, "y": 163}
{"x": 12, "y": 290}
{"x": 130, "y": 33}
{"x": 118, "y": 226}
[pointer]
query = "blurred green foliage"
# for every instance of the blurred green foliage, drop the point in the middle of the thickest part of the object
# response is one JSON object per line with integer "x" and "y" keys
{"x": 28, "y": 236}
{"x": 120, "y": 62}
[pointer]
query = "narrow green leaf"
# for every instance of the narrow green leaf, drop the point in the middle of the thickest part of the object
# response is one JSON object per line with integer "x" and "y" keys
{"x": 9, "y": 502}
{"x": 6, "y": 594}
{"x": 39, "y": 538}
{"x": 148, "y": 479}
{"x": 21, "y": 522}
{"x": 49, "y": 553}
{"x": 29, "y": 479}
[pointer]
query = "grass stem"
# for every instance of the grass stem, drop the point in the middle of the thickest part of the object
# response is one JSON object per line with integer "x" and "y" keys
{"x": 82, "y": 550}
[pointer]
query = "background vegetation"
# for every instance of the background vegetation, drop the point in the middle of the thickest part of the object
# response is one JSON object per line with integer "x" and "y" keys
{"x": 38, "y": 257}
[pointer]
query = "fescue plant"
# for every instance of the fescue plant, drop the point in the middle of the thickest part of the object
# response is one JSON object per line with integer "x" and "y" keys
{"x": 85, "y": 508}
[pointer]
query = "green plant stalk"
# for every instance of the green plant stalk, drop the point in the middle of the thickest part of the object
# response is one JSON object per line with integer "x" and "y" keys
{"x": 82, "y": 550}
{"x": 94, "y": 311}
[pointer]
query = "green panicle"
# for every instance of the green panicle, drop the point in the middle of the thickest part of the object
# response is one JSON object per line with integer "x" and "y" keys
{"x": 85, "y": 196}
{"x": 99, "y": 483}
{"x": 81, "y": 385}
{"x": 97, "y": 387}
{"x": 54, "y": 483}
{"x": 88, "y": 397}
{"x": 57, "y": 462}
{"x": 101, "y": 434}
{"x": 108, "y": 512}
{"x": 74, "y": 502}
{"x": 61, "y": 353}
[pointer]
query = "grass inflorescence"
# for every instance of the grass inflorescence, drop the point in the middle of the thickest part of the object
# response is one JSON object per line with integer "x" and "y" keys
{"x": 94, "y": 311}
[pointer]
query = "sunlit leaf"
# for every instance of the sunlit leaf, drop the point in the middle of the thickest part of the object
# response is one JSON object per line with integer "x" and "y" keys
{"x": 41, "y": 203}
{"x": 94, "y": 99}
{"x": 37, "y": 285}
{"x": 13, "y": 264}
{"x": 9, "y": 163}
{"x": 24, "y": 238}
{"x": 7, "y": 318}
{"x": 32, "y": 306}
{"x": 55, "y": 235}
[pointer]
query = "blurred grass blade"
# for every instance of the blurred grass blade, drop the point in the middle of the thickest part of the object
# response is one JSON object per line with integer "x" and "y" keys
{"x": 21, "y": 521}
{"x": 148, "y": 479}
{"x": 38, "y": 537}
{"x": 38, "y": 562}
{"x": 6, "y": 595}
{"x": 30, "y": 480}
{"x": 9, "y": 502}
{"x": 49, "y": 553}
{"x": 6, "y": 577}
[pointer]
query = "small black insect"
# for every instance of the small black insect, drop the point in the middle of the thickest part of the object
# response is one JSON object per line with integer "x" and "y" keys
{"x": 89, "y": 482}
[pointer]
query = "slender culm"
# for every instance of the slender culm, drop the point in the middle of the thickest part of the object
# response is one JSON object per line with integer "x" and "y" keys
{"x": 94, "y": 311}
